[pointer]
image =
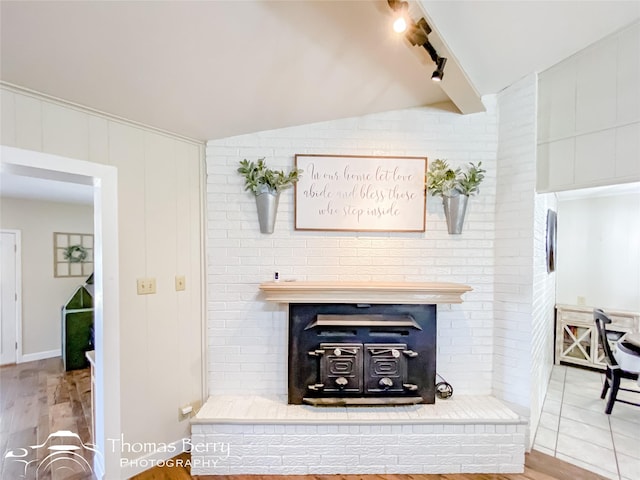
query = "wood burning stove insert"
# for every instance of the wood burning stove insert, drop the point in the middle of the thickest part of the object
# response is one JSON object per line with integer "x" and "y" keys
{"x": 362, "y": 354}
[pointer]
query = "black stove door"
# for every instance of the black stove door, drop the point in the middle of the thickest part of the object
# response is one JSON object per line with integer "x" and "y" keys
{"x": 385, "y": 368}
{"x": 341, "y": 368}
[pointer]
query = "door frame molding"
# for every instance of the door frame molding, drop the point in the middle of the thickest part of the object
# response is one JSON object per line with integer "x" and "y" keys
{"x": 18, "y": 280}
{"x": 104, "y": 179}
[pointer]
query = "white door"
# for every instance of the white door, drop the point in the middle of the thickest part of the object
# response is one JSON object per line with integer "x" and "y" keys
{"x": 8, "y": 298}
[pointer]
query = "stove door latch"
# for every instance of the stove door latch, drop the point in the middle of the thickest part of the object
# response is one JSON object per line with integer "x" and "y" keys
{"x": 386, "y": 383}
{"x": 410, "y": 353}
{"x": 316, "y": 353}
{"x": 410, "y": 386}
{"x": 316, "y": 386}
{"x": 341, "y": 382}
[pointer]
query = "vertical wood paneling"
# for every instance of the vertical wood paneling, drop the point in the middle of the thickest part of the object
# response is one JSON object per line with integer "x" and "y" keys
{"x": 594, "y": 150}
{"x": 197, "y": 261}
{"x": 159, "y": 212}
{"x": 28, "y": 123}
{"x": 557, "y": 102}
{"x": 183, "y": 216}
{"x": 65, "y": 131}
{"x": 98, "y": 140}
{"x": 628, "y": 151}
{"x": 126, "y": 146}
{"x": 599, "y": 87}
{"x": 561, "y": 162}
{"x": 596, "y": 92}
{"x": 7, "y": 118}
{"x": 628, "y": 76}
{"x": 160, "y": 200}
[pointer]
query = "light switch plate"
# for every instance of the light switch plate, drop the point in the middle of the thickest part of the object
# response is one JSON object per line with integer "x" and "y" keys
{"x": 146, "y": 286}
{"x": 180, "y": 283}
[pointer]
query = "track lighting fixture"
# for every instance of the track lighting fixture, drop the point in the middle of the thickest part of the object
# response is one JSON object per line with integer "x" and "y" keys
{"x": 417, "y": 33}
{"x": 438, "y": 73}
{"x": 401, "y": 14}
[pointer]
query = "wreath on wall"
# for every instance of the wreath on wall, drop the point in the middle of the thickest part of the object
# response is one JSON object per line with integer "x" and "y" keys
{"x": 75, "y": 254}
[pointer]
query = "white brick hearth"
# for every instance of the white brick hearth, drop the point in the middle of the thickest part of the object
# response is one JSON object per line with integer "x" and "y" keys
{"x": 263, "y": 435}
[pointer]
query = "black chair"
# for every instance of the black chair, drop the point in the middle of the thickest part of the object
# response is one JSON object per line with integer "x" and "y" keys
{"x": 615, "y": 373}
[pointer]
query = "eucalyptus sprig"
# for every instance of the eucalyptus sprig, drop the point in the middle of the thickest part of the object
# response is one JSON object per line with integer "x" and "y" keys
{"x": 258, "y": 177}
{"x": 445, "y": 181}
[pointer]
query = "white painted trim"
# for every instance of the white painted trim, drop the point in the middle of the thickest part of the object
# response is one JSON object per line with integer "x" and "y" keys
{"x": 138, "y": 465}
{"x": 104, "y": 179}
{"x": 204, "y": 341}
{"x": 32, "y": 357}
{"x": 92, "y": 111}
{"x": 18, "y": 280}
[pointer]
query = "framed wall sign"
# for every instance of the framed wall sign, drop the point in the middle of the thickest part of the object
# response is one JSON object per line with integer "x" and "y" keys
{"x": 360, "y": 193}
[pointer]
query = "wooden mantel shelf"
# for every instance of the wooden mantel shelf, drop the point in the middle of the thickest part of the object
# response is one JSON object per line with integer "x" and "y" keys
{"x": 363, "y": 292}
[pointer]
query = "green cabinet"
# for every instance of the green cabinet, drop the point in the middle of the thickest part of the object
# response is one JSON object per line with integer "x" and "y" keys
{"x": 77, "y": 327}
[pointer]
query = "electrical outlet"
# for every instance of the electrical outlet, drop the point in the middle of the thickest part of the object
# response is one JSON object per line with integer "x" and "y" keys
{"x": 180, "y": 283}
{"x": 188, "y": 410}
{"x": 146, "y": 286}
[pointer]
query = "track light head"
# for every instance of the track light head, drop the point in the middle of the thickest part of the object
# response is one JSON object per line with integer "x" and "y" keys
{"x": 438, "y": 73}
{"x": 401, "y": 15}
{"x": 437, "y": 59}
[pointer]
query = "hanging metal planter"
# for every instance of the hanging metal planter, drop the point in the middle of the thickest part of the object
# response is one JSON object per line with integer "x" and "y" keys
{"x": 455, "y": 208}
{"x": 454, "y": 186}
{"x": 266, "y": 184}
{"x": 267, "y": 205}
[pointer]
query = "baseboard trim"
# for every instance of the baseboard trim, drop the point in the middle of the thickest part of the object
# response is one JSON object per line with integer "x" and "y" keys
{"x": 32, "y": 357}
{"x": 163, "y": 454}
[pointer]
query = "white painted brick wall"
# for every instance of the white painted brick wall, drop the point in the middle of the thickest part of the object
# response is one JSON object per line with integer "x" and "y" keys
{"x": 544, "y": 294}
{"x": 247, "y": 337}
{"x": 356, "y": 449}
{"x": 524, "y": 292}
{"x": 514, "y": 242}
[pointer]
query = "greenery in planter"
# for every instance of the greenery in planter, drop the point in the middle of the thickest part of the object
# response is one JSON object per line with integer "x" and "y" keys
{"x": 258, "y": 178}
{"x": 444, "y": 181}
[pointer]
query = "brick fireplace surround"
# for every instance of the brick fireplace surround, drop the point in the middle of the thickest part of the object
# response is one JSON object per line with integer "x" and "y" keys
{"x": 251, "y": 434}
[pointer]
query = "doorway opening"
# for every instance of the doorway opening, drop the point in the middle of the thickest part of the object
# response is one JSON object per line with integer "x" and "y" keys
{"x": 103, "y": 180}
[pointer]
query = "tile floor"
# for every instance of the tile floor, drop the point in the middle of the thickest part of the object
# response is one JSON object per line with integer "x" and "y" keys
{"x": 574, "y": 428}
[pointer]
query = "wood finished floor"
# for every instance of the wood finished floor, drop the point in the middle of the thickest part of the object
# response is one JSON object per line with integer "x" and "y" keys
{"x": 39, "y": 398}
{"x": 36, "y": 400}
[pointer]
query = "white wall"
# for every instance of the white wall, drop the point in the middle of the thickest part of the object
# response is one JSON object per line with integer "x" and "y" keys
{"x": 544, "y": 301}
{"x": 523, "y": 290}
{"x": 247, "y": 337}
{"x": 589, "y": 116}
{"x": 43, "y": 294}
{"x": 159, "y": 209}
{"x": 598, "y": 251}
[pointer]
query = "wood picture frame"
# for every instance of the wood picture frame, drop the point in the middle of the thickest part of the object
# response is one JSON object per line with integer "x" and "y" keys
{"x": 360, "y": 193}
{"x": 72, "y": 254}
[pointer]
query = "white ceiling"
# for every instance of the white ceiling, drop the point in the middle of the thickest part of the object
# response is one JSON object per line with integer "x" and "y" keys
{"x": 499, "y": 42}
{"x": 32, "y": 188}
{"x": 212, "y": 69}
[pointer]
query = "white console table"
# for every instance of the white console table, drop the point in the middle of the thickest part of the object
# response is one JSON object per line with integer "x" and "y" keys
{"x": 577, "y": 337}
